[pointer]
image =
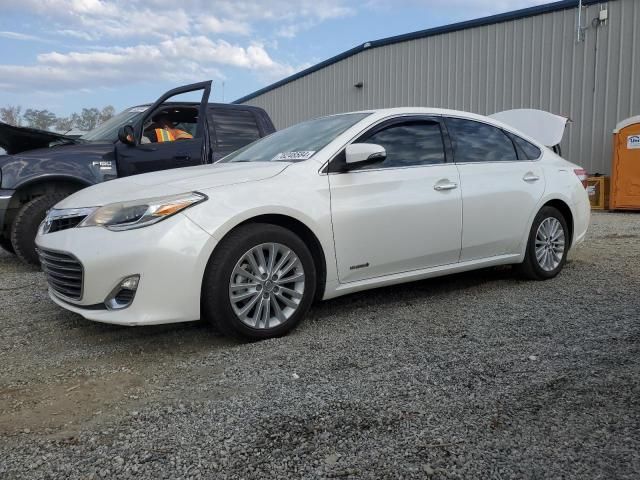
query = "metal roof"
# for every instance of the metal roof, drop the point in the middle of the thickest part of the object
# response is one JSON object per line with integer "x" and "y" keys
{"x": 479, "y": 22}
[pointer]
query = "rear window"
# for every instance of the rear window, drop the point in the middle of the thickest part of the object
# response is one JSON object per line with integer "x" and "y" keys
{"x": 479, "y": 142}
{"x": 234, "y": 128}
{"x": 530, "y": 151}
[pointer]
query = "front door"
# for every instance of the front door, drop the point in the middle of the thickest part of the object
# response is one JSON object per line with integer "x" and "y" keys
{"x": 171, "y": 134}
{"x": 402, "y": 214}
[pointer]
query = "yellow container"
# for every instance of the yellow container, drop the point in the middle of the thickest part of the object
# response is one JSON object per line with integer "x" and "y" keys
{"x": 598, "y": 190}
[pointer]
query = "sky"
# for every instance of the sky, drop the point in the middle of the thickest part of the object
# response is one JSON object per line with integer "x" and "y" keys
{"x": 64, "y": 55}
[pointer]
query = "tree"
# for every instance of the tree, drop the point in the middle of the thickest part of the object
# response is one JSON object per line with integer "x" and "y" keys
{"x": 106, "y": 113}
{"x": 42, "y": 119}
{"x": 11, "y": 114}
{"x": 64, "y": 124}
{"x": 88, "y": 119}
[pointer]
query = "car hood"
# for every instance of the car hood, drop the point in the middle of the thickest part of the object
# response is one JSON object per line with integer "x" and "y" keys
{"x": 64, "y": 151}
{"x": 171, "y": 182}
{"x": 545, "y": 127}
{"x": 21, "y": 139}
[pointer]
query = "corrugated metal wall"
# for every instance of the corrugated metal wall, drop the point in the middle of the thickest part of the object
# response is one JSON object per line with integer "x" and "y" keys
{"x": 532, "y": 62}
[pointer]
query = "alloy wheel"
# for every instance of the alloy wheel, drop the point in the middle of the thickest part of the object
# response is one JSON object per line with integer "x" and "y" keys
{"x": 550, "y": 244}
{"x": 266, "y": 285}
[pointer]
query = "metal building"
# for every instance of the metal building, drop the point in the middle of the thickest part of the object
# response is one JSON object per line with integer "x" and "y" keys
{"x": 580, "y": 62}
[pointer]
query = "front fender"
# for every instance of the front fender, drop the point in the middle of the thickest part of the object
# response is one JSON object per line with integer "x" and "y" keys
{"x": 231, "y": 206}
{"x": 81, "y": 163}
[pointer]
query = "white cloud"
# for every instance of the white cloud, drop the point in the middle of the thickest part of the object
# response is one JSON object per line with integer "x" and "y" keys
{"x": 211, "y": 24}
{"x": 157, "y": 18}
{"x": 182, "y": 59}
{"x": 76, "y": 34}
{"x": 177, "y": 42}
{"x": 19, "y": 36}
{"x": 473, "y": 8}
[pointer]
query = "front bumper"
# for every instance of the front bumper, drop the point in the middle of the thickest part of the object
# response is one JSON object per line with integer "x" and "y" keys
{"x": 170, "y": 258}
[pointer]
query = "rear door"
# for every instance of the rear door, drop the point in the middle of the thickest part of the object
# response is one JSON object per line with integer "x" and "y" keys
{"x": 149, "y": 153}
{"x": 232, "y": 128}
{"x": 502, "y": 182}
{"x": 402, "y": 214}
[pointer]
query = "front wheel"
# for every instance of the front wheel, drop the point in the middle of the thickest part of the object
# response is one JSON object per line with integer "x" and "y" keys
{"x": 547, "y": 247}
{"x": 25, "y": 226}
{"x": 259, "y": 283}
{"x": 5, "y": 244}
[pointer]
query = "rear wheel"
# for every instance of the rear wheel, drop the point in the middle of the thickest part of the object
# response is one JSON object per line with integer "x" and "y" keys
{"x": 547, "y": 247}
{"x": 259, "y": 283}
{"x": 25, "y": 226}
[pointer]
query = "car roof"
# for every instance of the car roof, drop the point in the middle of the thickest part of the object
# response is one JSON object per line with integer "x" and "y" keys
{"x": 210, "y": 105}
{"x": 424, "y": 111}
{"x": 388, "y": 112}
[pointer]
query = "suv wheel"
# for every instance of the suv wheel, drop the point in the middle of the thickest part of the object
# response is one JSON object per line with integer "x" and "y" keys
{"x": 25, "y": 226}
{"x": 5, "y": 244}
{"x": 547, "y": 247}
{"x": 259, "y": 283}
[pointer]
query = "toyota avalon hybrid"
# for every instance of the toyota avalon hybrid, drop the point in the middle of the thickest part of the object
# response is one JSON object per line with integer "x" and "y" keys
{"x": 321, "y": 209}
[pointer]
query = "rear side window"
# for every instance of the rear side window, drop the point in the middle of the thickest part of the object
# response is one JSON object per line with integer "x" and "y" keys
{"x": 409, "y": 143}
{"x": 529, "y": 150}
{"x": 234, "y": 128}
{"x": 479, "y": 142}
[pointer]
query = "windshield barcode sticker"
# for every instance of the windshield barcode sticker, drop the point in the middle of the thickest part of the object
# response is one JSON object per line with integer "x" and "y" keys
{"x": 304, "y": 155}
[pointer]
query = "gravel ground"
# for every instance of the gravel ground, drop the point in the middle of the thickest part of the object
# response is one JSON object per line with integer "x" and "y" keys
{"x": 472, "y": 376}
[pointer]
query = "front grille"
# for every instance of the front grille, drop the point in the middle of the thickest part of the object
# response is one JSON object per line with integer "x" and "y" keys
{"x": 64, "y": 223}
{"x": 64, "y": 273}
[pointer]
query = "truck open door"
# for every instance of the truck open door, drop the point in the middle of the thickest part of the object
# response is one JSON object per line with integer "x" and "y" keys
{"x": 152, "y": 143}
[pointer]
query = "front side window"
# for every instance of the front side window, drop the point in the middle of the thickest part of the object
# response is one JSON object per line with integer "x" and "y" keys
{"x": 408, "y": 144}
{"x": 234, "y": 128}
{"x": 296, "y": 143}
{"x": 479, "y": 142}
{"x": 171, "y": 123}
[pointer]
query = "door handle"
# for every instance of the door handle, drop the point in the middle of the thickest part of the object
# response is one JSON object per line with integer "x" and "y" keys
{"x": 531, "y": 177}
{"x": 445, "y": 186}
{"x": 182, "y": 156}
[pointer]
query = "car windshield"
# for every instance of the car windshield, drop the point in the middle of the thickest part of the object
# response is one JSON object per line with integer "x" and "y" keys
{"x": 298, "y": 142}
{"x": 108, "y": 131}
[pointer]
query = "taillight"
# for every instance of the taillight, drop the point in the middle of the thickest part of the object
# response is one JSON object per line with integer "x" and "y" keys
{"x": 582, "y": 175}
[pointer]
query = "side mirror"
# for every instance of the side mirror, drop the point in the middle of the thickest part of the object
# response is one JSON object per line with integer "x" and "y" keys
{"x": 364, "y": 153}
{"x": 126, "y": 135}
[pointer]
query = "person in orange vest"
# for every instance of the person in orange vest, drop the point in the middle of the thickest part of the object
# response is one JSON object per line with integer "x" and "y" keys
{"x": 166, "y": 132}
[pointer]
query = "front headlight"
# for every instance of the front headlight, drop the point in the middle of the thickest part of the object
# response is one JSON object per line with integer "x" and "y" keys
{"x": 140, "y": 213}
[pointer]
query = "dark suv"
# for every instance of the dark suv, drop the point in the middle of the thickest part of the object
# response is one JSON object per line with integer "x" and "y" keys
{"x": 33, "y": 180}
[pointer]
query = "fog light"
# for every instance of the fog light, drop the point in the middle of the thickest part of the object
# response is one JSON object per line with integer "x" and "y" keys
{"x": 122, "y": 296}
{"x": 130, "y": 283}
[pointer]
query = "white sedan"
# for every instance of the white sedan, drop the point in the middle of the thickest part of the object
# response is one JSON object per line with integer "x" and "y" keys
{"x": 324, "y": 208}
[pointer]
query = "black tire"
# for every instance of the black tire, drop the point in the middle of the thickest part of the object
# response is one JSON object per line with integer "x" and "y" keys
{"x": 5, "y": 244}
{"x": 215, "y": 302}
{"x": 530, "y": 268}
{"x": 25, "y": 226}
